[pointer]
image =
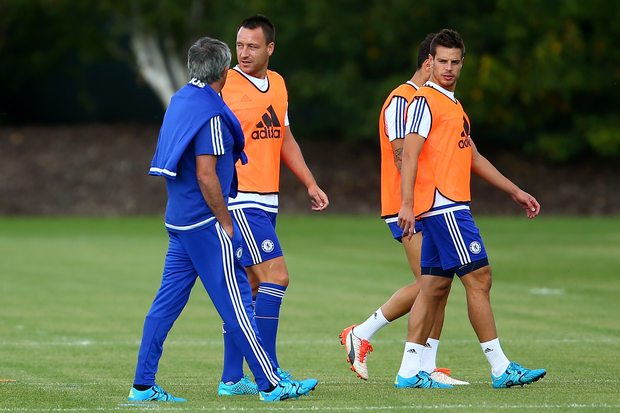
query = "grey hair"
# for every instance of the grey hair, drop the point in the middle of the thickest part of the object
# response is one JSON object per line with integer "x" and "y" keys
{"x": 207, "y": 59}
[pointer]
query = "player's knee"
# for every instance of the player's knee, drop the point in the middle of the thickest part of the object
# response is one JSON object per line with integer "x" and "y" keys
{"x": 436, "y": 291}
{"x": 281, "y": 278}
{"x": 277, "y": 276}
{"x": 480, "y": 280}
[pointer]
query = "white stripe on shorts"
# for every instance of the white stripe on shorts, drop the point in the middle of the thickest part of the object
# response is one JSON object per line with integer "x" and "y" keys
{"x": 247, "y": 234}
{"x": 457, "y": 238}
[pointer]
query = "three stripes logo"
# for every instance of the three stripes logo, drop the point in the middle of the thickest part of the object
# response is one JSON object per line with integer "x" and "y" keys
{"x": 465, "y": 142}
{"x": 268, "y": 127}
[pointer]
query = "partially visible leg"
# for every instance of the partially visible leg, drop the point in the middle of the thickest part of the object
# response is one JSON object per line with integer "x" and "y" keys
{"x": 230, "y": 291}
{"x": 226, "y": 281}
{"x": 401, "y": 302}
{"x": 477, "y": 285}
{"x": 232, "y": 372}
{"x": 266, "y": 271}
{"x": 178, "y": 279}
{"x": 233, "y": 379}
{"x": 356, "y": 339}
{"x": 477, "y": 288}
{"x": 504, "y": 373}
{"x": 429, "y": 356}
{"x": 433, "y": 289}
{"x": 273, "y": 277}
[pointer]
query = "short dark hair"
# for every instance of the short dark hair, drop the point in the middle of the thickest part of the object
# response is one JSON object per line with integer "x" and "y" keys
{"x": 450, "y": 39}
{"x": 258, "y": 20}
{"x": 425, "y": 49}
{"x": 207, "y": 59}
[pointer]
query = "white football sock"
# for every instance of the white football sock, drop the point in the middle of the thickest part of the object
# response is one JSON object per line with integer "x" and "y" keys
{"x": 368, "y": 328}
{"x": 429, "y": 356}
{"x": 496, "y": 357}
{"x": 412, "y": 358}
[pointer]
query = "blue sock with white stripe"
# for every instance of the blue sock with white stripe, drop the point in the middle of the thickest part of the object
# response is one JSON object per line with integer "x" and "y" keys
{"x": 258, "y": 360}
{"x": 267, "y": 315}
{"x": 233, "y": 358}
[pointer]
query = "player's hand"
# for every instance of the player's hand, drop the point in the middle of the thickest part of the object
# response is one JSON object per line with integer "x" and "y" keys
{"x": 318, "y": 197}
{"x": 528, "y": 203}
{"x": 406, "y": 221}
{"x": 230, "y": 229}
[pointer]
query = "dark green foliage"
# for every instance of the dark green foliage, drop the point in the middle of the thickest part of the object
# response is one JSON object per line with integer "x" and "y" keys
{"x": 540, "y": 76}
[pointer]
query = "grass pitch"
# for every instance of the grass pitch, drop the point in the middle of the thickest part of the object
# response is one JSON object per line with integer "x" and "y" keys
{"x": 74, "y": 293}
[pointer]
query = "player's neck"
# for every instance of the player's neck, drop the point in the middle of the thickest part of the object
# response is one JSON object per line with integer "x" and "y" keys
{"x": 419, "y": 78}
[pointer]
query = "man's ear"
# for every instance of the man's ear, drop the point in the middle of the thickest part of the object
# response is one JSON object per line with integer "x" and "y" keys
{"x": 428, "y": 65}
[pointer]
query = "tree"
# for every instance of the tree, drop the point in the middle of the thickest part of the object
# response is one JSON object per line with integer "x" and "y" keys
{"x": 540, "y": 76}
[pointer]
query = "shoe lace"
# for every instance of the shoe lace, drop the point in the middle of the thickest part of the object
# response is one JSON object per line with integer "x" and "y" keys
{"x": 365, "y": 348}
{"x": 161, "y": 394}
{"x": 444, "y": 371}
{"x": 285, "y": 375}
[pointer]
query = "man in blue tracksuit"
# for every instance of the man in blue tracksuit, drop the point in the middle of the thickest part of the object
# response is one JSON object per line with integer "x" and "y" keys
{"x": 199, "y": 142}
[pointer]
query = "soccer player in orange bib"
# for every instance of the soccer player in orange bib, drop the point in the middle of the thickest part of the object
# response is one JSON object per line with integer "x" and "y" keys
{"x": 438, "y": 159}
{"x": 259, "y": 99}
{"x": 392, "y": 122}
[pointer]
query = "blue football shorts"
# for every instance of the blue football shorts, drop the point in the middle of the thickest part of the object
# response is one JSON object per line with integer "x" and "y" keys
{"x": 397, "y": 231}
{"x": 258, "y": 228}
{"x": 452, "y": 242}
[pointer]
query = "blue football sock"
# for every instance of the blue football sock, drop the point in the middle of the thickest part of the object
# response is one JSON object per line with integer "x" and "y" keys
{"x": 233, "y": 360}
{"x": 267, "y": 315}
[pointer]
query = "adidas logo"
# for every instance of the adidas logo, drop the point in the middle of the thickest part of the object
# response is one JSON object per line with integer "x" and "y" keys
{"x": 375, "y": 316}
{"x": 428, "y": 345}
{"x": 269, "y": 127}
{"x": 487, "y": 350}
{"x": 412, "y": 351}
{"x": 245, "y": 98}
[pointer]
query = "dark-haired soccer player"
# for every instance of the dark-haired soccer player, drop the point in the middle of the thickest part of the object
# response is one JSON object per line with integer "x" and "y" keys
{"x": 438, "y": 159}
{"x": 259, "y": 99}
{"x": 392, "y": 122}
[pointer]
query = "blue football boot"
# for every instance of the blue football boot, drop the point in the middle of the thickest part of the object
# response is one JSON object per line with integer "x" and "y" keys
{"x": 288, "y": 389}
{"x": 155, "y": 393}
{"x": 243, "y": 386}
{"x": 517, "y": 375}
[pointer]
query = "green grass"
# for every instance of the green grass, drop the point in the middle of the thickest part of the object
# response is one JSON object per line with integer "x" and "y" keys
{"x": 74, "y": 293}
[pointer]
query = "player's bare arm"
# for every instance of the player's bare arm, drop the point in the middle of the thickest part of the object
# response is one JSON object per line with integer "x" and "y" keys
{"x": 294, "y": 160}
{"x": 412, "y": 148}
{"x": 484, "y": 169}
{"x": 398, "y": 148}
{"x": 212, "y": 191}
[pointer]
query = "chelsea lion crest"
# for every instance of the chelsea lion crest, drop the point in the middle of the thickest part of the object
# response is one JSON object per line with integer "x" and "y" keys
{"x": 475, "y": 247}
{"x": 267, "y": 245}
